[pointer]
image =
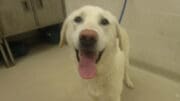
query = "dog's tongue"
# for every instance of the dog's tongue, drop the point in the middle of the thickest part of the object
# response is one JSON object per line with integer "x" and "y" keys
{"x": 87, "y": 65}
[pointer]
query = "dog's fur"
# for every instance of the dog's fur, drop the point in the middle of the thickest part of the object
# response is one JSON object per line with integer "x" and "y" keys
{"x": 112, "y": 67}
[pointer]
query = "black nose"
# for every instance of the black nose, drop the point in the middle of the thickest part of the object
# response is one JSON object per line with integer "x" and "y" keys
{"x": 88, "y": 39}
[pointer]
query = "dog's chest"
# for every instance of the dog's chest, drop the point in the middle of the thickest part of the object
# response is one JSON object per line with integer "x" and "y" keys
{"x": 105, "y": 88}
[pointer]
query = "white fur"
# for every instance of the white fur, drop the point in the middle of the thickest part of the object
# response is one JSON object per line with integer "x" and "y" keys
{"x": 112, "y": 67}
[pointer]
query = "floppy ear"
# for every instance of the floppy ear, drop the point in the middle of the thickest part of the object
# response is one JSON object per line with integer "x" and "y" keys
{"x": 63, "y": 34}
{"x": 123, "y": 38}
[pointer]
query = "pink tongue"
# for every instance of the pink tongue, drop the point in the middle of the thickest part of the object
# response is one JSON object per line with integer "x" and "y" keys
{"x": 87, "y": 66}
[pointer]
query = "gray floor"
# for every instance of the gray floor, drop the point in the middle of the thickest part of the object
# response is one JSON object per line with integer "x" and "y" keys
{"x": 46, "y": 75}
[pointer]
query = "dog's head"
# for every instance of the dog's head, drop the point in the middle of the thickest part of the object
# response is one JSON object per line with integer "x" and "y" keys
{"x": 90, "y": 30}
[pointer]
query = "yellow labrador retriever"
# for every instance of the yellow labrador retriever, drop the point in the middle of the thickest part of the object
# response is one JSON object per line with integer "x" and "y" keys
{"x": 101, "y": 48}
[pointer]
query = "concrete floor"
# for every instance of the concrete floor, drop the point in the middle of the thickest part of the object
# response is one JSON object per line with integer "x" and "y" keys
{"x": 46, "y": 75}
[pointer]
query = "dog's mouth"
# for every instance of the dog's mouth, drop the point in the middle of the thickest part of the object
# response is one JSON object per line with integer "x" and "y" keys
{"x": 87, "y": 61}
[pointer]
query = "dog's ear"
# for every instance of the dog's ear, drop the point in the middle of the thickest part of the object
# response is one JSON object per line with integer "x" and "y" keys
{"x": 63, "y": 34}
{"x": 122, "y": 37}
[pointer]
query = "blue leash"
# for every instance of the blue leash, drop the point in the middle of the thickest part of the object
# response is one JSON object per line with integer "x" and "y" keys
{"x": 122, "y": 11}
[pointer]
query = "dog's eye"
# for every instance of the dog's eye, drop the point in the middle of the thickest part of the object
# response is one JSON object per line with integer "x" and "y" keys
{"x": 78, "y": 19}
{"x": 104, "y": 21}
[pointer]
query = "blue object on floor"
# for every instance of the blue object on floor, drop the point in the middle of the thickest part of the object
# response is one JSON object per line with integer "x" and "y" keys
{"x": 52, "y": 33}
{"x": 1, "y": 59}
{"x": 19, "y": 48}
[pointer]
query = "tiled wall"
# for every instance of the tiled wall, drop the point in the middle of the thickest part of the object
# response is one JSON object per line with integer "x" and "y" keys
{"x": 154, "y": 30}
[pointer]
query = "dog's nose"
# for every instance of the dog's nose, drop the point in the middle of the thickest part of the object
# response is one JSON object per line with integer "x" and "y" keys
{"x": 88, "y": 38}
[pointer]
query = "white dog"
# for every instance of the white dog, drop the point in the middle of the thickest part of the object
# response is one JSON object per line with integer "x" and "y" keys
{"x": 101, "y": 48}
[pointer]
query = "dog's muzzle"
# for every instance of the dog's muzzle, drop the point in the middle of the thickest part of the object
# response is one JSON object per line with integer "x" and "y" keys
{"x": 87, "y": 54}
{"x": 88, "y": 40}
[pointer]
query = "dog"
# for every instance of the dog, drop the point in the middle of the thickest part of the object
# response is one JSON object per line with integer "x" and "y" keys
{"x": 101, "y": 47}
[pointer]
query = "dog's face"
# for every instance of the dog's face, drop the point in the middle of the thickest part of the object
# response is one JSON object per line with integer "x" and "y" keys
{"x": 89, "y": 30}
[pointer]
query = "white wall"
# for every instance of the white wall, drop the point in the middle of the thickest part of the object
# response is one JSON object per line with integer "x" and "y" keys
{"x": 111, "y": 5}
{"x": 154, "y": 30}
